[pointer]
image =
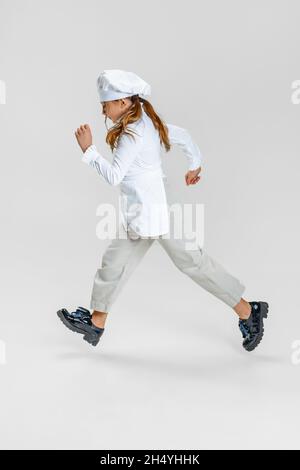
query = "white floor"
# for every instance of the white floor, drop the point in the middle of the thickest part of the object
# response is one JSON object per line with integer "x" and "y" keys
{"x": 169, "y": 373}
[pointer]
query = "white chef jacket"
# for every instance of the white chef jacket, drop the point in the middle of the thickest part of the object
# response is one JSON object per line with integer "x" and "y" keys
{"x": 137, "y": 168}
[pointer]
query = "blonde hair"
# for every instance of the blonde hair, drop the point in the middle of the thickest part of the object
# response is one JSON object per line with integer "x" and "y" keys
{"x": 133, "y": 114}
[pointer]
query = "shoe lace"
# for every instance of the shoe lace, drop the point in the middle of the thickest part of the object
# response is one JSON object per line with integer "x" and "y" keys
{"x": 250, "y": 326}
{"x": 82, "y": 313}
{"x": 244, "y": 328}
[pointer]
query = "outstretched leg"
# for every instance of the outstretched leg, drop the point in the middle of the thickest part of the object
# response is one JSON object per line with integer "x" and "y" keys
{"x": 211, "y": 275}
{"x": 205, "y": 271}
{"x": 118, "y": 262}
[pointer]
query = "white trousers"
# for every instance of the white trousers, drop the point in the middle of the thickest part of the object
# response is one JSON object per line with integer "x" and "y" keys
{"x": 123, "y": 255}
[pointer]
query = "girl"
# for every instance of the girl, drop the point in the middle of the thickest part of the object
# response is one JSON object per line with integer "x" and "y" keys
{"x": 136, "y": 138}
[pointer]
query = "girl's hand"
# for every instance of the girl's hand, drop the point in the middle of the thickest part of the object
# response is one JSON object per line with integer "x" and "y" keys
{"x": 84, "y": 136}
{"x": 192, "y": 176}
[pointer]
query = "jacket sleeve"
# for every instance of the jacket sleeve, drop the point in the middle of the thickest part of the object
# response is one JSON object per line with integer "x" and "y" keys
{"x": 124, "y": 155}
{"x": 181, "y": 137}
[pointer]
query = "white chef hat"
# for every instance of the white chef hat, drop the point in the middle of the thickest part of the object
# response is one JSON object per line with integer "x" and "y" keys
{"x": 114, "y": 84}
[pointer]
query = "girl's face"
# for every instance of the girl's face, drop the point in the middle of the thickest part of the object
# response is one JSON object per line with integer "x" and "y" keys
{"x": 116, "y": 108}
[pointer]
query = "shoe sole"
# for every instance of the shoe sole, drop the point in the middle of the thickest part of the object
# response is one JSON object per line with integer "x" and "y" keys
{"x": 264, "y": 308}
{"x": 73, "y": 328}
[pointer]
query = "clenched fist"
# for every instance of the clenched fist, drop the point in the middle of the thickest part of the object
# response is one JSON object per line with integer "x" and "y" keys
{"x": 84, "y": 136}
{"x": 192, "y": 176}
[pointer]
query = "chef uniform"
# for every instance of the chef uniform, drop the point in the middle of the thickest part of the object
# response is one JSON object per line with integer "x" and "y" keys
{"x": 137, "y": 169}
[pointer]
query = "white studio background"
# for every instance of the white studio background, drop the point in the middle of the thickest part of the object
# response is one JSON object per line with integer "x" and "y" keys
{"x": 170, "y": 371}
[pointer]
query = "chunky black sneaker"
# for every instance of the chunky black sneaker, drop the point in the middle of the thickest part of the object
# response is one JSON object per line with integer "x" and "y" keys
{"x": 80, "y": 321}
{"x": 253, "y": 328}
